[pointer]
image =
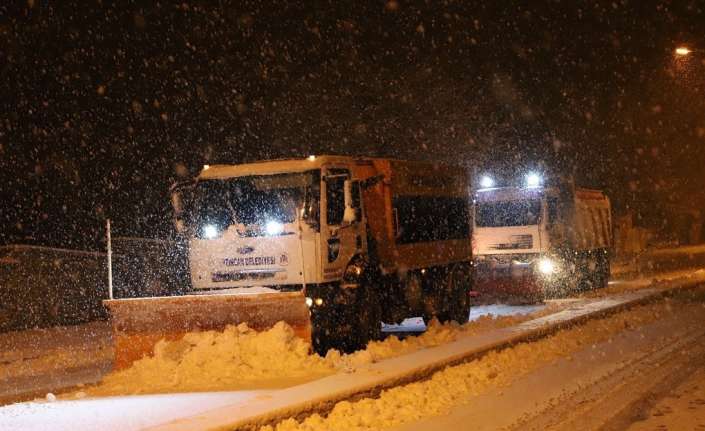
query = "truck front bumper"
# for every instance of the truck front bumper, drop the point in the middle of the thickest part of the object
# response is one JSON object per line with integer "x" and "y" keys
{"x": 513, "y": 277}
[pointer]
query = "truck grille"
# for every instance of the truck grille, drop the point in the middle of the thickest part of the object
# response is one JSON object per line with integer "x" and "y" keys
{"x": 516, "y": 242}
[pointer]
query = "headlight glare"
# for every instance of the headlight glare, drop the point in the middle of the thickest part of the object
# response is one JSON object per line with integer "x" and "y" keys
{"x": 210, "y": 231}
{"x": 274, "y": 228}
{"x": 547, "y": 266}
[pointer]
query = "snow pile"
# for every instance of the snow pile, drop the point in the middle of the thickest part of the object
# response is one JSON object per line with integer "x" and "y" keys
{"x": 435, "y": 335}
{"x": 235, "y": 358}
{"x": 242, "y": 358}
{"x": 455, "y": 385}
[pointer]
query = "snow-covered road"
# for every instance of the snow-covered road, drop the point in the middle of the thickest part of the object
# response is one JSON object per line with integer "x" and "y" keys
{"x": 136, "y": 412}
{"x": 37, "y": 361}
{"x": 612, "y": 383}
{"x": 123, "y": 413}
{"x": 599, "y": 375}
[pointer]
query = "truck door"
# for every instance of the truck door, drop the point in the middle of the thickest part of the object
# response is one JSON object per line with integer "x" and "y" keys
{"x": 341, "y": 240}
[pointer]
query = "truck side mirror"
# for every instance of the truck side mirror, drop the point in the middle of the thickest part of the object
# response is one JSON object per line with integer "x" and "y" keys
{"x": 349, "y": 215}
{"x": 177, "y": 202}
{"x": 177, "y": 205}
{"x": 310, "y": 213}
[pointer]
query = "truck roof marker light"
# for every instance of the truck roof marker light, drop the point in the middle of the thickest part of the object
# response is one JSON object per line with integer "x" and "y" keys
{"x": 533, "y": 180}
{"x": 486, "y": 182}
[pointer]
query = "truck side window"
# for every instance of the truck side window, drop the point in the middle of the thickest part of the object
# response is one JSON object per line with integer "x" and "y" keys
{"x": 312, "y": 199}
{"x": 356, "y": 199}
{"x": 335, "y": 195}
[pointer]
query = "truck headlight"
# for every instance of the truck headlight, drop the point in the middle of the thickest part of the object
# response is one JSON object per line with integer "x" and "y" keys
{"x": 274, "y": 228}
{"x": 547, "y": 266}
{"x": 210, "y": 231}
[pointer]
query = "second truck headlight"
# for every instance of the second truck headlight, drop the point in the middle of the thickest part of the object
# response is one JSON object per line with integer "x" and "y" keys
{"x": 274, "y": 228}
{"x": 547, "y": 266}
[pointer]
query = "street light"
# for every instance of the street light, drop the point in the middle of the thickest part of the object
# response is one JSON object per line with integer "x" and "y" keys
{"x": 682, "y": 50}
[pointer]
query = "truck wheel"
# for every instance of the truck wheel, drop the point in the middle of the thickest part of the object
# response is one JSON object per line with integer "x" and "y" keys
{"x": 413, "y": 291}
{"x": 570, "y": 284}
{"x": 584, "y": 275}
{"x": 457, "y": 302}
{"x": 593, "y": 275}
{"x": 603, "y": 271}
{"x": 323, "y": 336}
{"x": 369, "y": 314}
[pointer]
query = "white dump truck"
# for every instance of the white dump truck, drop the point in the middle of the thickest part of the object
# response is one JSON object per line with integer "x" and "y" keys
{"x": 332, "y": 245}
{"x": 531, "y": 241}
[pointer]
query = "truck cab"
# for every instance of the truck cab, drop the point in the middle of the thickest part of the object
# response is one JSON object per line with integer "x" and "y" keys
{"x": 534, "y": 241}
{"x": 271, "y": 226}
{"x": 363, "y": 240}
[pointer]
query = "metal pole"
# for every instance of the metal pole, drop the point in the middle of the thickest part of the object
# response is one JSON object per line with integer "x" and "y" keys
{"x": 301, "y": 253}
{"x": 110, "y": 261}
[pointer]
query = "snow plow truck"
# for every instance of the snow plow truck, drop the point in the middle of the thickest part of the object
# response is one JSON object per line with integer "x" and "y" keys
{"x": 331, "y": 245}
{"x": 534, "y": 241}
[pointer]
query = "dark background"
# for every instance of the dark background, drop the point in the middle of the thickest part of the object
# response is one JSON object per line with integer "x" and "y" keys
{"x": 103, "y": 106}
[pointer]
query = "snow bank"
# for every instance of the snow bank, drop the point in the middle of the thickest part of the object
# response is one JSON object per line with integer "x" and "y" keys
{"x": 236, "y": 358}
{"x": 435, "y": 335}
{"x": 455, "y": 385}
{"x": 242, "y": 358}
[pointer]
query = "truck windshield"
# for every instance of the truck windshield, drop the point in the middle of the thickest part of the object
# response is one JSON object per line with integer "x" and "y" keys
{"x": 508, "y": 213}
{"x": 252, "y": 200}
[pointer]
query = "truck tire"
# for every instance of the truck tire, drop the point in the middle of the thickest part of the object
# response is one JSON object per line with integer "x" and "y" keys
{"x": 569, "y": 284}
{"x": 369, "y": 315}
{"x": 603, "y": 275}
{"x": 414, "y": 291}
{"x": 456, "y": 304}
{"x": 349, "y": 326}
{"x": 598, "y": 270}
{"x": 335, "y": 328}
{"x": 583, "y": 274}
{"x": 592, "y": 272}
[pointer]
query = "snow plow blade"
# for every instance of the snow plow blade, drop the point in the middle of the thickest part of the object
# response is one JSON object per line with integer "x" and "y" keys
{"x": 139, "y": 323}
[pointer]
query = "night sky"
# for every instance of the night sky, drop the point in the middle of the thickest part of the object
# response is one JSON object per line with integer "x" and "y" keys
{"x": 102, "y": 107}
